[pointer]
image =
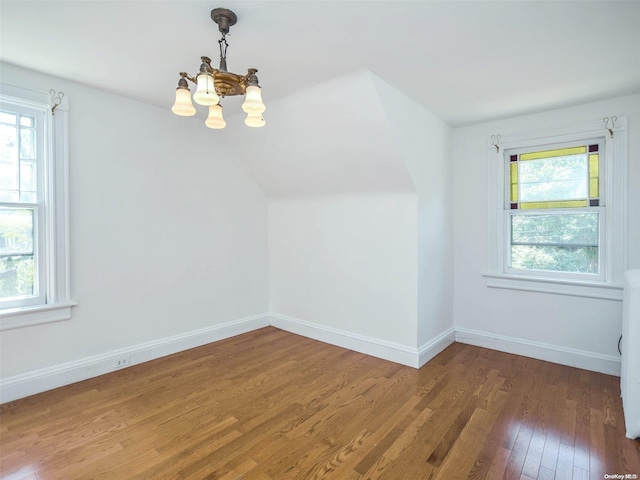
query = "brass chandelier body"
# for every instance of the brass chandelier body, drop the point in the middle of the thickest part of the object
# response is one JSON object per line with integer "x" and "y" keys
{"x": 215, "y": 83}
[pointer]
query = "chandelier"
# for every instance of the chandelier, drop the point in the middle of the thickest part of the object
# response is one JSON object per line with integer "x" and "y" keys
{"x": 213, "y": 84}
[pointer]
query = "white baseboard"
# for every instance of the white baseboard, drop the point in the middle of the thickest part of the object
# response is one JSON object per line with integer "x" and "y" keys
{"x": 30, "y": 383}
{"x": 394, "y": 352}
{"x": 430, "y": 349}
{"x": 596, "y": 362}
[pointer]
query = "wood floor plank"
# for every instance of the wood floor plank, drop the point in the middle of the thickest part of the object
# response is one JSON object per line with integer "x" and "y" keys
{"x": 270, "y": 405}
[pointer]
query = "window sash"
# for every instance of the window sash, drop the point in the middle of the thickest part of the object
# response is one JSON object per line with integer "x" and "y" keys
{"x": 539, "y": 150}
{"x": 595, "y": 189}
{"x": 601, "y": 244}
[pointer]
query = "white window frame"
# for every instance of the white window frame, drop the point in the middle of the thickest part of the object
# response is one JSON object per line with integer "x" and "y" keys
{"x": 38, "y": 209}
{"x": 608, "y": 284}
{"x": 55, "y": 304}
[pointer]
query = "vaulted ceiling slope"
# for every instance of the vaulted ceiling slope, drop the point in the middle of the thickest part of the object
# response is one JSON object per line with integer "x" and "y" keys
{"x": 333, "y": 138}
{"x": 466, "y": 62}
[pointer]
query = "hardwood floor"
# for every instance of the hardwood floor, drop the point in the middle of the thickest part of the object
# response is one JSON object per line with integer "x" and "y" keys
{"x": 273, "y": 405}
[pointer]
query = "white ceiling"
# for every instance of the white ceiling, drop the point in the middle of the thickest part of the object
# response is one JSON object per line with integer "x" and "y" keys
{"x": 465, "y": 62}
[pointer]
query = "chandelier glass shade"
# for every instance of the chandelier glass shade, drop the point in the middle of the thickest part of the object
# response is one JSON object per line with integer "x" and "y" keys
{"x": 183, "y": 105}
{"x": 212, "y": 84}
{"x": 254, "y": 120}
{"x": 215, "y": 118}
{"x": 205, "y": 93}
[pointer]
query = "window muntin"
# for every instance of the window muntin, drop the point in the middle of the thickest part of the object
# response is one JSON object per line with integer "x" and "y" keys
{"x": 553, "y": 208}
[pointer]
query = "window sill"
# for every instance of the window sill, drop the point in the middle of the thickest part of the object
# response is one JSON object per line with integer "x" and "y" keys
{"x": 606, "y": 291}
{"x": 25, "y": 316}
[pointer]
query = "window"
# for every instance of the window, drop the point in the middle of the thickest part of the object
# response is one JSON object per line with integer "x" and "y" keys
{"x": 554, "y": 209}
{"x": 556, "y": 212}
{"x": 21, "y": 206}
{"x": 34, "y": 269}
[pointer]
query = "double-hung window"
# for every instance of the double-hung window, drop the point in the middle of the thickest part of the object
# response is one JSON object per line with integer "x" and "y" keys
{"x": 557, "y": 211}
{"x": 34, "y": 261}
{"x": 553, "y": 211}
{"x": 22, "y": 252}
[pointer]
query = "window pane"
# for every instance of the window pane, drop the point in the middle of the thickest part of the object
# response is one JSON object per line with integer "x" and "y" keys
{"x": 578, "y": 229}
{"x": 555, "y": 259}
{"x": 27, "y": 176}
{"x": 18, "y": 180}
{"x": 8, "y": 164}
{"x": 594, "y": 175}
{"x": 513, "y": 174}
{"x": 16, "y": 276}
{"x": 6, "y": 117}
{"x": 16, "y": 252}
{"x": 559, "y": 152}
{"x": 27, "y": 143}
{"x": 12, "y": 196}
{"x": 566, "y": 242}
{"x": 9, "y": 177}
{"x": 27, "y": 121}
{"x": 554, "y": 204}
{"x": 8, "y": 143}
{"x": 556, "y": 178}
{"x": 16, "y": 231}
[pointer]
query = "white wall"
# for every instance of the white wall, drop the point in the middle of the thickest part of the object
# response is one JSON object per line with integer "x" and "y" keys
{"x": 424, "y": 143}
{"x": 342, "y": 217}
{"x": 347, "y": 262}
{"x": 564, "y": 323}
{"x": 371, "y": 264}
{"x": 168, "y": 231}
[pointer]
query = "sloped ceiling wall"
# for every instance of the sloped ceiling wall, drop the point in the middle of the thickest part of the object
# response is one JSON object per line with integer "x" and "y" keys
{"x": 333, "y": 159}
{"x": 425, "y": 142}
{"x": 334, "y": 138}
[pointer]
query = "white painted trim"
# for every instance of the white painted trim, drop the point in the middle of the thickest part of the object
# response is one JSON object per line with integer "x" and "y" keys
{"x": 572, "y": 357}
{"x": 391, "y": 351}
{"x": 432, "y": 348}
{"x": 394, "y": 352}
{"x": 37, "y": 381}
{"x": 606, "y": 291}
{"x": 556, "y": 134}
{"x": 48, "y": 378}
{"x": 23, "y": 316}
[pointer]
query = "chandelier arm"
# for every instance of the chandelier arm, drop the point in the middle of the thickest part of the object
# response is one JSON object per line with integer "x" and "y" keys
{"x": 189, "y": 77}
{"x": 245, "y": 78}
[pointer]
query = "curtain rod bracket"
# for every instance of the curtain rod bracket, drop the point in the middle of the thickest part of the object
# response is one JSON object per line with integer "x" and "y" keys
{"x": 613, "y": 121}
{"x": 495, "y": 141}
{"x": 56, "y": 99}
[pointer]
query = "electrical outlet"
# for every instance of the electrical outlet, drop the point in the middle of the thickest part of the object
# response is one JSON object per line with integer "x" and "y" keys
{"x": 122, "y": 362}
